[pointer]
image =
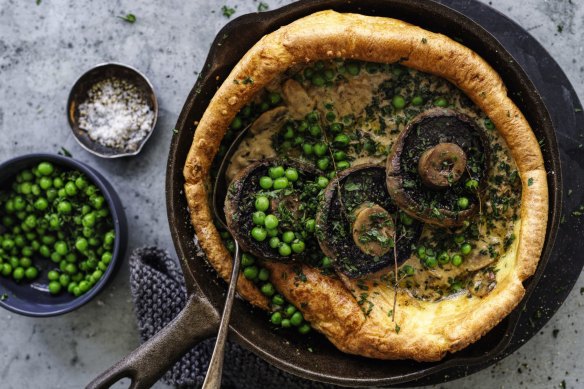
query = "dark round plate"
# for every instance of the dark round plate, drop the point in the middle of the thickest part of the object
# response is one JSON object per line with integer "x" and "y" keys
{"x": 324, "y": 362}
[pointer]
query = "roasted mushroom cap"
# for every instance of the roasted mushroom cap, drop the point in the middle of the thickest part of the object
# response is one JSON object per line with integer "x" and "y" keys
{"x": 358, "y": 224}
{"x": 240, "y": 206}
{"x": 438, "y": 166}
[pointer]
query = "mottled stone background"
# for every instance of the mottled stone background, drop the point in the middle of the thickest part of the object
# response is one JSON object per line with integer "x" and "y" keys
{"x": 45, "y": 47}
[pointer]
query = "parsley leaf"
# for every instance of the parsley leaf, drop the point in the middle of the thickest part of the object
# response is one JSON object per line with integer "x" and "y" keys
{"x": 227, "y": 11}
{"x": 530, "y": 181}
{"x": 263, "y": 7}
{"x": 130, "y": 18}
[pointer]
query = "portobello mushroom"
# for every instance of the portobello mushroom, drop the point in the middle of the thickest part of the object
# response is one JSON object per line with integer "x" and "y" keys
{"x": 358, "y": 224}
{"x": 288, "y": 208}
{"x": 438, "y": 167}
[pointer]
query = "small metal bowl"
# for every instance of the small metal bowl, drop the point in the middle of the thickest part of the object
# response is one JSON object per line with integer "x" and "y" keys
{"x": 79, "y": 94}
{"x": 33, "y": 298}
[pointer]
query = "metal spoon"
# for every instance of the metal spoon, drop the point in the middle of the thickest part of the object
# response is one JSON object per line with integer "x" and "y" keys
{"x": 215, "y": 370}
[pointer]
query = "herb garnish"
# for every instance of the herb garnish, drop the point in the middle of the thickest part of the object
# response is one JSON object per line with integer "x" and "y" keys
{"x": 227, "y": 11}
{"x": 130, "y": 18}
{"x": 263, "y": 7}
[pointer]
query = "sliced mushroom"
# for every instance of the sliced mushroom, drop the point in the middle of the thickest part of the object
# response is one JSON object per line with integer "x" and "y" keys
{"x": 240, "y": 205}
{"x": 442, "y": 165}
{"x": 358, "y": 224}
{"x": 482, "y": 283}
{"x": 430, "y": 163}
{"x": 373, "y": 230}
{"x": 298, "y": 101}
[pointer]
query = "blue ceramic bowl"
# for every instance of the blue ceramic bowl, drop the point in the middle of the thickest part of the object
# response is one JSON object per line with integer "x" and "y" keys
{"x": 33, "y": 298}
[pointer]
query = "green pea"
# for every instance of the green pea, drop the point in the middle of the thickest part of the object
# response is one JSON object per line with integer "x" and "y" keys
{"x": 109, "y": 237}
{"x": 25, "y": 262}
{"x": 80, "y": 183}
{"x": 353, "y": 68}
{"x": 19, "y": 203}
{"x": 64, "y": 207}
{"x": 296, "y": 319}
{"x": 70, "y": 189}
{"x": 292, "y": 174}
{"x": 268, "y": 289}
{"x": 288, "y": 236}
{"x": 326, "y": 262}
{"x": 237, "y": 123}
{"x": 298, "y": 246}
{"x": 55, "y": 287}
{"x": 8, "y": 244}
{"x": 417, "y": 101}
{"x": 259, "y": 234}
{"x": 315, "y": 130}
{"x": 266, "y": 182}
{"x": 462, "y": 202}
{"x": 465, "y": 249}
{"x": 18, "y": 273}
{"x": 398, "y": 102}
{"x": 409, "y": 270}
{"x": 262, "y": 203}
{"x": 310, "y": 225}
{"x": 81, "y": 244}
{"x": 342, "y": 165}
{"x": 459, "y": 239}
{"x": 320, "y": 149}
{"x": 61, "y": 248}
{"x": 274, "y": 98}
{"x": 264, "y": 106}
{"x": 406, "y": 219}
{"x": 250, "y": 272}
{"x": 41, "y": 204}
{"x": 318, "y": 80}
{"x": 64, "y": 280}
{"x": 286, "y": 323}
{"x": 276, "y": 172}
{"x": 489, "y": 124}
{"x": 247, "y": 260}
{"x": 90, "y": 190}
{"x": 278, "y": 299}
{"x": 6, "y": 269}
{"x": 30, "y": 221}
{"x": 329, "y": 75}
{"x": 284, "y": 250}
{"x": 302, "y": 127}
{"x": 45, "y": 168}
{"x": 31, "y": 273}
{"x": 274, "y": 242}
{"x": 336, "y": 127}
{"x": 264, "y": 274}
{"x": 322, "y": 182}
{"x": 339, "y": 156}
{"x": 323, "y": 163}
{"x": 276, "y": 318}
{"x": 290, "y": 309}
{"x": 456, "y": 260}
{"x": 307, "y": 149}
{"x": 97, "y": 201}
{"x": 431, "y": 262}
{"x": 330, "y": 116}
{"x": 341, "y": 140}
{"x": 289, "y": 133}
{"x": 312, "y": 117}
{"x": 472, "y": 185}
{"x": 271, "y": 222}
{"x": 298, "y": 140}
{"x": 281, "y": 183}
{"x": 259, "y": 218}
{"x": 304, "y": 329}
{"x": 84, "y": 286}
{"x": 272, "y": 232}
{"x": 308, "y": 72}
{"x": 71, "y": 268}
{"x": 443, "y": 258}
{"x": 441, "y": 102}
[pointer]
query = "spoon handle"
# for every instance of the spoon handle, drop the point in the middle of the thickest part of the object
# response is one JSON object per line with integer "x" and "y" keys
{"x": 215, "y": 370}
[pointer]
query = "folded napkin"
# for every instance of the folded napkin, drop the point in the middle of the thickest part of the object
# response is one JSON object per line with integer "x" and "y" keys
{"x": 159, "y": 293}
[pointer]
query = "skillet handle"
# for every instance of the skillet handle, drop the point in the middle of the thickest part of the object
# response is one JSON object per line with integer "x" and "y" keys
{"x": 144, "y": 366}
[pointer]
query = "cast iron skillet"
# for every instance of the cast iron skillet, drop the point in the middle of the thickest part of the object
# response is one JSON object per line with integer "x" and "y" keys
{"x": 199, "y": 319}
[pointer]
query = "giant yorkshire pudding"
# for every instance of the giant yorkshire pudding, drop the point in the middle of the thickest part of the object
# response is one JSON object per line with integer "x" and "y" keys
{"x": 359, "y": 318}
{"x": 438, "y": 166}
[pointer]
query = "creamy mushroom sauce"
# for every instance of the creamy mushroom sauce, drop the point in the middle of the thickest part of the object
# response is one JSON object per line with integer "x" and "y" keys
{"x": 358, "y": 96}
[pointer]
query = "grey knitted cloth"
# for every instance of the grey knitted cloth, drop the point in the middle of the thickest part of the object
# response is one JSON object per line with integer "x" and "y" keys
{"x": 159, "y": 293}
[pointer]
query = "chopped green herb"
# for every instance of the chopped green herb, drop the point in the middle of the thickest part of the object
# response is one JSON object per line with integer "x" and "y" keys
{"x": 175, "y": 130}
{"x": 4, "y": 296}
{"x": 130, "y": 18}
{"x": 247, "y": 80}
{"x": 560, "y": 28}
{"x": 424, "y": 40}
{"x": 227, "y": 11}
{"x": 38, "y": 2}
{"x": 555, "y": 332}
{"x": 530, "y": 182}
{"x": 577, "y": 110}
{"x": 64, "y": 152}
{"x": 397, "y": 328}
{"x": 263, "y": 7}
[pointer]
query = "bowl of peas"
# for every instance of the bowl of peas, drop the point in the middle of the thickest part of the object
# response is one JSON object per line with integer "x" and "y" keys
{"x": 63, "y": 234}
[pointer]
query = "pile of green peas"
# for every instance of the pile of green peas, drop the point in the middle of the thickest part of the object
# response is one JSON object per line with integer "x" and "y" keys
{"x": 267, "y": 225}
{"x": 284, "y": 314}
{"x": 430, "y": 258}
{"x": 56, "y": 215}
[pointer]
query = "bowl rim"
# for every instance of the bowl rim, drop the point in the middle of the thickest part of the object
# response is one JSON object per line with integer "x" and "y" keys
{"x": 152, "y": 94}
{"x": 117, "y": 215}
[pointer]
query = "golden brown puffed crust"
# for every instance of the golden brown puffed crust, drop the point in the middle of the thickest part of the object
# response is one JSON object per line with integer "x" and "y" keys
{"x": 427, "y": 330}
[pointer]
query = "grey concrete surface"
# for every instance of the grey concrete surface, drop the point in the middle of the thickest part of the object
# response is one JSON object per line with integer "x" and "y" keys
{"x": 45, "y": 47}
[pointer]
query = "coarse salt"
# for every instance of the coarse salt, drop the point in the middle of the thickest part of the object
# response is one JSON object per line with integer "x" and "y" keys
{"x": 116, "y": 114}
